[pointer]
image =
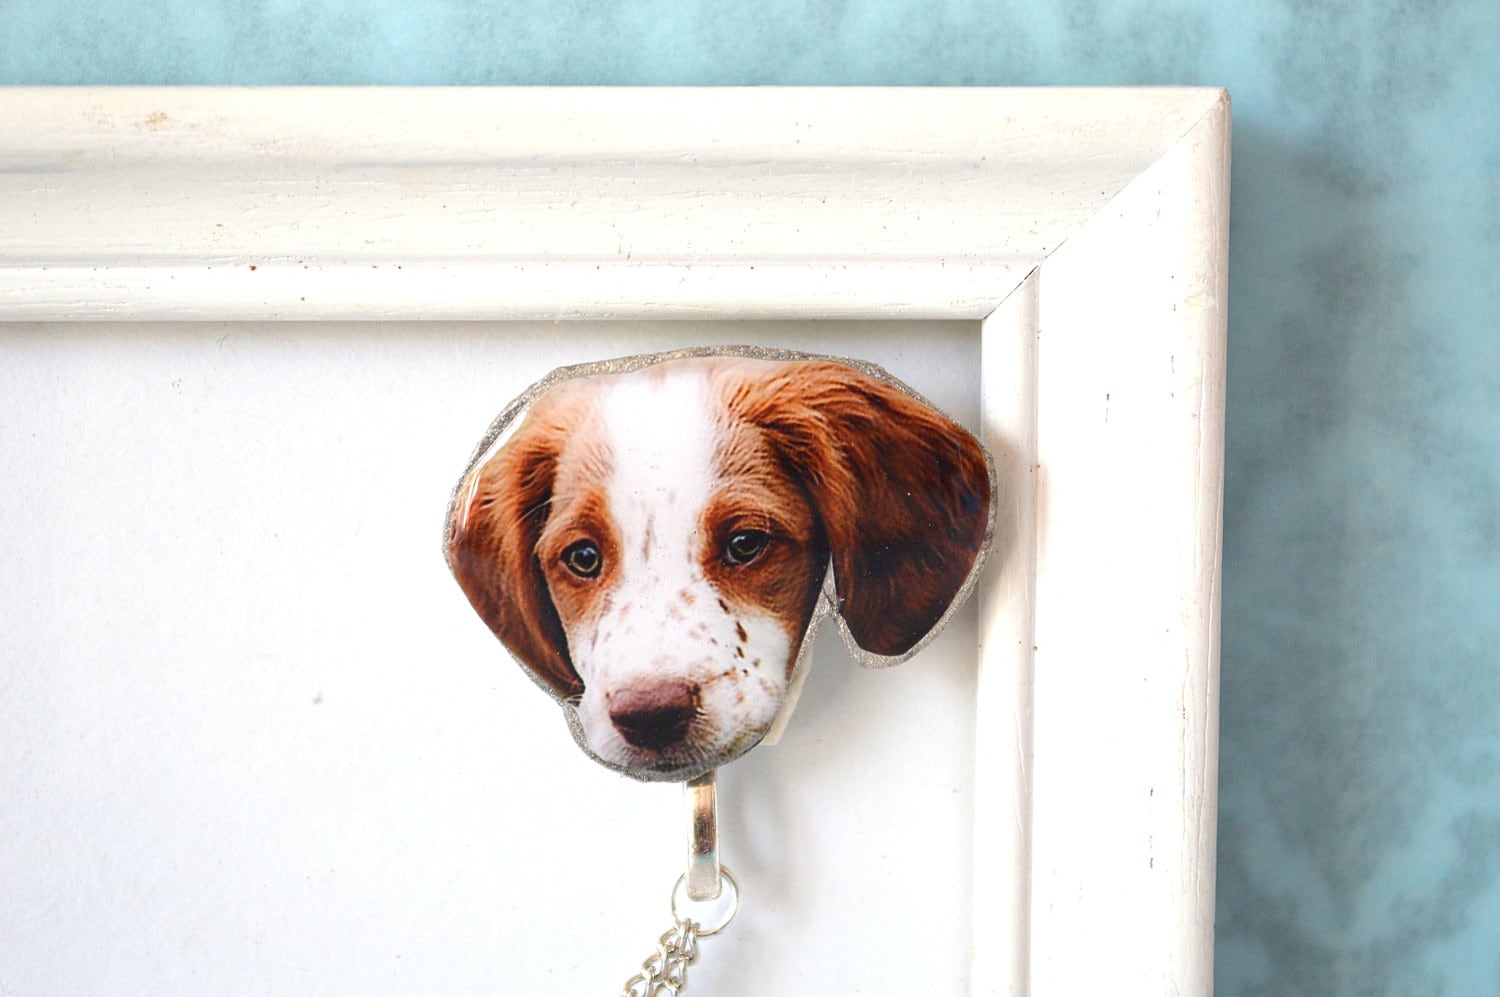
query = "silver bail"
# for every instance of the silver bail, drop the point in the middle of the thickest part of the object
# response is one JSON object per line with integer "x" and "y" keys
{"x": 704, "y": 881}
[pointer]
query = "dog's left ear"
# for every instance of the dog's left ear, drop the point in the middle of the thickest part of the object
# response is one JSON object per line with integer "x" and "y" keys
{"x": 902, "y": 490}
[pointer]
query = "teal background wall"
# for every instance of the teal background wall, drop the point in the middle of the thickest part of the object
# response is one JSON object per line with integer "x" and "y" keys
{"x": 1360, "y": 778}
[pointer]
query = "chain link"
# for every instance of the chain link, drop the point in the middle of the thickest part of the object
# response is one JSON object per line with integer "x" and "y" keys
{"x": 664, "y": 974}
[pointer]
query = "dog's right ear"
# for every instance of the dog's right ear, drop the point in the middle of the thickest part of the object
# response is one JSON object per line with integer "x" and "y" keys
{"x": 493, "y": 527}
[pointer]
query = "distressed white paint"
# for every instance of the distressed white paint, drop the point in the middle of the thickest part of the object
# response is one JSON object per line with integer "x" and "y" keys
{"x": 1087, "y": 228}
{"x": 1003, "y": 692}
{"x": 1130, "y": 388}
{"x": 452, "y": 203}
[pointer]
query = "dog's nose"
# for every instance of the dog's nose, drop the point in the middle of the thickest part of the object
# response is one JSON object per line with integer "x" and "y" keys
{"x": 654, "y": 716}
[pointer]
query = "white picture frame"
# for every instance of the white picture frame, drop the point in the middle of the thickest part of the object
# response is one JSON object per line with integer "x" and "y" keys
{"x": 1084, "y": 231}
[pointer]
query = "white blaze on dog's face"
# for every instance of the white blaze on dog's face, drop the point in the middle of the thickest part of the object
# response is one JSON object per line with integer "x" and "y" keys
{"x": 676, "y": 553}
{"x": 651, "y": 545}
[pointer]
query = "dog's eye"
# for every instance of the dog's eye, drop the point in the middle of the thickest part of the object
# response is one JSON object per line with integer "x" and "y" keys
{"x": 583, "y": 559}
{"x": 745, "y": 546}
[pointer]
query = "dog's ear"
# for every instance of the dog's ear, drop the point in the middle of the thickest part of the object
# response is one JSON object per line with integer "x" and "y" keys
{"x": 497, "y": 516}
{"x": 903, "y": 493}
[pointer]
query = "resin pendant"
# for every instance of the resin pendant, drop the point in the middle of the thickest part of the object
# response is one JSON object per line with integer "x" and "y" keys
{"x": 656, "y": 538}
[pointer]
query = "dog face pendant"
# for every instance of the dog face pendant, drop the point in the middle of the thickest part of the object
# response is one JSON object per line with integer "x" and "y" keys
{"x": 652, "y": 539}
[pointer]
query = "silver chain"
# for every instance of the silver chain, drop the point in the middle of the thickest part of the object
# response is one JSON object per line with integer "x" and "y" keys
{"x": 664, "y": 974}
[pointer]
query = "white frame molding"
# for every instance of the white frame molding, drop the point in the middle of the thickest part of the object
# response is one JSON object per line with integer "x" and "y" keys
{"x": 1085, "y": 229}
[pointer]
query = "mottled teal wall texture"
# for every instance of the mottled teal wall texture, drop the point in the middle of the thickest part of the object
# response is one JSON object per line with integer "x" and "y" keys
{"x": 1360, "y": 808}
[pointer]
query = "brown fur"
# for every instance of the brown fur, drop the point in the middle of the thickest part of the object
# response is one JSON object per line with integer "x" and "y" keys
{"x": 832, "y": 463}
{"x": 498, "y": 519}
{"x": 902, "y": 492}
{"x": 760, "y": 493}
